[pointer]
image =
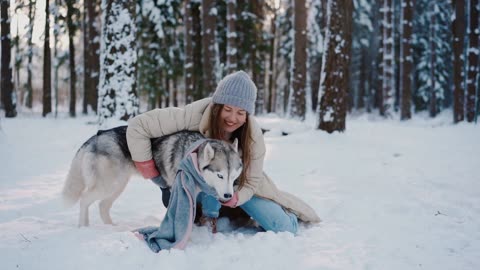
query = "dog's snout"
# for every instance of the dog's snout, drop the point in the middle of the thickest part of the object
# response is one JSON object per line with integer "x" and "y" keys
{"x": 227, "y": 195}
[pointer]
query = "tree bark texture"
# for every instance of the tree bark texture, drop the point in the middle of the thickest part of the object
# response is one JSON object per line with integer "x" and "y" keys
{"x": 209, "y": 22}
{"x": 406, "y": 64}
{"x": 47, "y": 65}
{"x": 299, "y": 79}
{"x": 473, "y": 54}
{"x": 458, "y": 26}
{"x": 7, "y": 90}
{"x": 335, "y": 77}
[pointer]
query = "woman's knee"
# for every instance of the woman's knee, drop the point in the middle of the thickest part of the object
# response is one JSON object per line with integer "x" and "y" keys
{"x": 289, "y": 223}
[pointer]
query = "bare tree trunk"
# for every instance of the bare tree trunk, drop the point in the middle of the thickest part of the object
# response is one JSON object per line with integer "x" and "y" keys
{"x": 7, "y": 91}
{"x": 199, "y": 91}
{"x": 86, "y": 64}
{"x": 473, "y": 54}
{"x": 299, "y": 76}
{"x": 231, "y": 37}
{"x": 56, "y": 67}
{"x": 47, "y": 65}
{"x": 378, "y": 95}
{"x": 189, "y": 65}
{"x": 91, "y": 55}
{"x": 31, "y": 19}
{"x": 336, "y": 60}
{"x": 71, "y": 56}
{"x": 406, "y": 64}
{"x": 208, "y": 42}
{"x": 258, "y": 55}
{"x": 458, "y": 26}
{"x": 272, "y": 89}
{"x": 91, "y": 38}
{"x": 433, "y": 95}
{"x": 363, "y": 80}
{"x": 388, "y": 60}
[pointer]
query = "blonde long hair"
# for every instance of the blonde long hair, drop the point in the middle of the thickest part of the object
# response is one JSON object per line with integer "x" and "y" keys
{"x": 242, "y": 134}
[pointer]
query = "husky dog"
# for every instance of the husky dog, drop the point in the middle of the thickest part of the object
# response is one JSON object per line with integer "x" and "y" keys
{"x": 103, "y": 165}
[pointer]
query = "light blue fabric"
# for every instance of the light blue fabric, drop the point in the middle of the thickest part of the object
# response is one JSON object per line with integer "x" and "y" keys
{"x": 210, "y": 205}
{"x": 176, "y": 226}
{"x": 268, "y": 214}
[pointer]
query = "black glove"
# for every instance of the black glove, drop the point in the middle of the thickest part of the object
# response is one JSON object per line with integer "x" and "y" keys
{"x": 165, "y": 196}
{"x": 160, "y": 182}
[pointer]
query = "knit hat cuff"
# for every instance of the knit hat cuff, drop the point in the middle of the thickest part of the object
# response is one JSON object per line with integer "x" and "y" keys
{"x": 235, "y": 101}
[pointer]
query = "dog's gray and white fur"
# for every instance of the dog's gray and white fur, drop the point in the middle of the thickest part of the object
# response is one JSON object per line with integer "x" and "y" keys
{"x": 103, "y": 165}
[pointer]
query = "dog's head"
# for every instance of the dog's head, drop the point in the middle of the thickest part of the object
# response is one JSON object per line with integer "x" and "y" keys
{"x": 220, "y": 165}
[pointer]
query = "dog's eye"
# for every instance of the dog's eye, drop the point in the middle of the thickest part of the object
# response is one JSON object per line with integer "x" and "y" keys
{"x": 219, "y": 176}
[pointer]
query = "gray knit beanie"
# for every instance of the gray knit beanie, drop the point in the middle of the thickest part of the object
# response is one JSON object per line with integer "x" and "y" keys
{"x": 236, "y": 89}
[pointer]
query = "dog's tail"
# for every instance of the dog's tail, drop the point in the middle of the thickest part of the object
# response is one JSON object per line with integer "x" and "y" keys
{"x": 75, "y": 182}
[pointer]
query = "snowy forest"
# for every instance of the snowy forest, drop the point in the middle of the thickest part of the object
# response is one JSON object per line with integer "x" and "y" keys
{"x": 117, "y": 58}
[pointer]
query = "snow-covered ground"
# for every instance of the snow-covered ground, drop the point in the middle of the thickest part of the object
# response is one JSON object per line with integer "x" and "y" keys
{"x": 392, "y": 195}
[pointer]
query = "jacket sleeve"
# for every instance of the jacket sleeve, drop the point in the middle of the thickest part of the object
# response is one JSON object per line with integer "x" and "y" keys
{"x": 255, "y": 175}
{"x": 160, "y": 122}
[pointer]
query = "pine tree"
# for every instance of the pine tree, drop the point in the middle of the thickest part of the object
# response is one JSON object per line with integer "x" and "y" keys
{"x": 432, "y": 55}
{"x": 362, "y": 56}
{"x": 117, "y": 95}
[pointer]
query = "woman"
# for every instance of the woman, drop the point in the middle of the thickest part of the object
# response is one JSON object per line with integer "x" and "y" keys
{"x": 226, "y": 115}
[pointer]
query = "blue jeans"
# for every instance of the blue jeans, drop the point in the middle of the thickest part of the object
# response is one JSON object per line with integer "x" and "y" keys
{"x": 268, "y": 214}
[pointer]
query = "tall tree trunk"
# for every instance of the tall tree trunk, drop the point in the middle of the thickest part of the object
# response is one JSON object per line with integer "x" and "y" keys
{"x": 406, "y": 62}
{"x": 18, "y": 65}
{"x": 189, "y": 65}
{"x": 199, "y": 90}
{"x": 56, "y": 67}
{"x": 299, "y": 76}
{"x": 86, "y": 66}
{"x": 117, "y": 95}
{"x": 31, "y": 19}
{"x": 433, "y": 107}
{"x": 258, "y": 55}
{"x": 458, "y": 26}
{"x": 71, "y": 56}
{"x": 47, "y": 65}
{"x": 7, "y": 91}
{"x": 208, "y": 44}
{"x": 91, "y": 55}
{"x": 231, "y": 37}
{"x": 473, "y": 54}
{"x": 272, "y": 89}
{"x": 363, "y": 79}
{"x": 388, "y": 79}
{"x": 336, "y": 60}
{"x": 377, "y": 75}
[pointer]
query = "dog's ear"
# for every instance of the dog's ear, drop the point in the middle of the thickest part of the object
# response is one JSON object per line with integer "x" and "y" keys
{"x": 208, "y": 153}
{"x": 235, "y": 145}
